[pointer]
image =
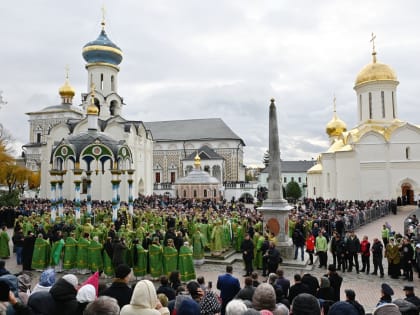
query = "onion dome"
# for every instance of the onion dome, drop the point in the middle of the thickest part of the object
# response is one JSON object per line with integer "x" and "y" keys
{"x": 102, "y": 50}
{"x": 66, "y": 91}
{"x": 92, "y": 109}
{"x": 335, "y": 126}
{"x": 375, "y": 71}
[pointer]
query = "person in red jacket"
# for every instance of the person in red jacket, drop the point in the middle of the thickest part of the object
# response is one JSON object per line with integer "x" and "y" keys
{"x": 310, "y": 247}
{"x": 365, "y": 253}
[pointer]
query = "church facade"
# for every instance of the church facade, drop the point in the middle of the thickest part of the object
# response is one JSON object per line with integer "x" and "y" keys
{"x": 161, "y": 150}
{"x": 377, "y": 159}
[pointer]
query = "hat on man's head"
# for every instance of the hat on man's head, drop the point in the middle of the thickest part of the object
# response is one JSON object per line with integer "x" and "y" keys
{"x": 386, "y": 289}
{"x": 408, "y": 287}
{"x": 122, "y": 271}
{"x": 331, "y": 267}
{"x": 306, "y": 303}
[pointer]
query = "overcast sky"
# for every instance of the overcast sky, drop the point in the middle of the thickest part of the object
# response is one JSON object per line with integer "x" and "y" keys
{"x": 219, "y": 58}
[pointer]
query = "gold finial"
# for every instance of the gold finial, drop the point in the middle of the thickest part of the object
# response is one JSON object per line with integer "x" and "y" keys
{"x": 197, "y": 161}
{"x": 372, "y": 40}
{"x": 103, "y": 17}
{"x": 92, "y": 109}
{"x": 334, "y": 104}
{"x": 272, "y": 100}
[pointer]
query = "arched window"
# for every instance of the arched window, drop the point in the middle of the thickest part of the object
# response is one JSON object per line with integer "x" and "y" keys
{"x": 407, "y": 153}
{"x": 195, "y": 194}
{"x": 300, "y": 179}
{"x": 360, "y": 106}
{"x": 292, "y": 179}
{"x": 383, "y": 103}
{"x": 207, "y": 169}
{"x": 102, "y": 81}
{"x": 370, "y": 106}
{"x": 185, "y": 194}
{"x": 214, "y": 193}
{"x": 205, "y": 193}
{"x": 285, "y": 180}
{"x": 112, "y": 83}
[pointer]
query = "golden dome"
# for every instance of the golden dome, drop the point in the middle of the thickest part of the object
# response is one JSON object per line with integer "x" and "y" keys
{"x": 66, "y": 90}
{"x": 335, "y": 127}
{"x": 92, "y": 110}
{"x": 375, "y": 71}
{"x": 197, "y": 161}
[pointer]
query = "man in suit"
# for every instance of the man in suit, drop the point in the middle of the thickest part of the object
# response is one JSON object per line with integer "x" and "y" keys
{"x": 229, "y": 286}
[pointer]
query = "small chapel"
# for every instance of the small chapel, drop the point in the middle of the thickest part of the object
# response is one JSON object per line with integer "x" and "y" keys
{"x": 377, "y": 159}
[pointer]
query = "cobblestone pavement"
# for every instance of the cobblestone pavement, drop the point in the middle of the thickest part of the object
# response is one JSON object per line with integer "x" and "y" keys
{"x": 367, "y": 287}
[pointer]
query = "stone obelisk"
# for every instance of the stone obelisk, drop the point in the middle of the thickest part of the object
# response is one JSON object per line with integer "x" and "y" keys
{"x": 275, "y": 209}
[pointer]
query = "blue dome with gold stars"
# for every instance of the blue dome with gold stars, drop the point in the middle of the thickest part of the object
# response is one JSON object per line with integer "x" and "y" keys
{"x": 102, "y": 50}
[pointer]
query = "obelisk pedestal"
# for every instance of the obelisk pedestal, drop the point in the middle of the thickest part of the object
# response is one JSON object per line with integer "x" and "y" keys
{"x": 275, "y": 209}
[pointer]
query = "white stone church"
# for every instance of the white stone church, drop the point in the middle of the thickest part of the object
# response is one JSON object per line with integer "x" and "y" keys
{"x": 160, "y": 151}
{"x": 377, "y": 159}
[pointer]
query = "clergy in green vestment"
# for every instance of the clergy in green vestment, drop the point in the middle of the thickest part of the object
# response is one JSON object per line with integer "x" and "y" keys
{"x": 4, "y": 243}
{"x": 198, "y": 243}
{"x": 259, "y": 254}
{"x": 139, "y": 259}
{"x": 70, "y": 253}
{"x": 82, "y": 254}
{"x": 170, "y": 258}
{"x": 240, "y": 237}
{"x": 56, "y": 255}
{"x": 95, "y": 262}
{"x": 156, "y": 258}
{"x": 186, "y": 263}
{"x": 216, "y": 239}
{"x": 41, "y": 255}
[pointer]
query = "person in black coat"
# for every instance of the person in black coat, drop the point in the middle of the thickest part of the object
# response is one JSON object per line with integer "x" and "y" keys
{"x": 118, "y": 248}
{"x": 247, "y": 249}
{"x": 311, "y": 282}
{"x": 119, "y": 288}
{"x": 353, "y": 248}
{"x": 247, "y": 292}
{"x": 335, "y": 281}
{"x": 325, "y": 292}
{"x": 299, "y": 242}
{"x": 297, "y": 288}
{"x": 64, "y": 294}
{"x": 273, "y": 258}
{"x": 28, "y": 251}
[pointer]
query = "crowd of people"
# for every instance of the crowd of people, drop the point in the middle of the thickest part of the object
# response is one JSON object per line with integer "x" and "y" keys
{"x": 166, "y": 237}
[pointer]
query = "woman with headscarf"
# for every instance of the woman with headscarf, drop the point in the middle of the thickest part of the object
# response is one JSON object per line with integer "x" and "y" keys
{"x": 325, "y": 291}
{"x": 85, "y": 295}
{"x": 144, "y": 300}
{"x": 46, "y": 281}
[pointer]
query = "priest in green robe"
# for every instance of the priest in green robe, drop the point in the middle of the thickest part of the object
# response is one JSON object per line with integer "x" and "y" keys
{"x": 156, "y": 258}
{"x": 198, "y": 243}
{"x": 4, "y": 243}
{"x": 41, "y": 255}
{"x": 139, "y": 259}
{"x": 70, "y": 253}
{"x": 95, "y": 262}
{"x": 170, "y": 258}
{"x": 82, "y": 254}
{"x": 56, "y": 255}
{"x": 186, "y": 263}
{"x": 216, "y": 239}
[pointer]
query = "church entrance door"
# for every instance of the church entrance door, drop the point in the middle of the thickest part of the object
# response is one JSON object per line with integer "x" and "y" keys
{"x": 407, "y": 194}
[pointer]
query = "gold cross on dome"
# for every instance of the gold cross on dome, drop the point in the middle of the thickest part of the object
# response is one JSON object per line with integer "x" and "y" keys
{"x": 67, "y": 69}
{"x": 334, "y": 103}
{"x": 373, "y": 41}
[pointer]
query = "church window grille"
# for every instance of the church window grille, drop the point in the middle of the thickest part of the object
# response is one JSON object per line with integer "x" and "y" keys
{"x": 360, "y": 106}
{"x": 370, "y": 105}
{"x": 393, "y": 105}
{"x": 102, "y": 81}
{"x": 383, "y": 103}
{"x": 407, "y": 153}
